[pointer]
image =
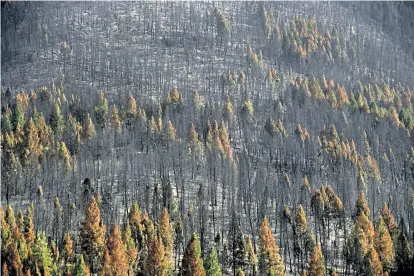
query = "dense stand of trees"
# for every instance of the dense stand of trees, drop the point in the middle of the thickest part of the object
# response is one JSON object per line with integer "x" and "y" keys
{"x": 246, "y": 163}
{"x": 146, "y": 247}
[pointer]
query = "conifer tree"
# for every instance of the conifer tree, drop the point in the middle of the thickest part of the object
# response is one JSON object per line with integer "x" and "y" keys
{"x": 44, "y": 132}
{"x": 81, "y": 269}
{"x": 107, "y": 269}
{"x": 131, "y": 248}
{"x": 101, "y": 111}
{"x": 134, "y": 218}
{"x": 156, "y": 263}
{"x": 211, "y": 263}
{"x": 364, "y": 223}
{"x": 224, "y": 139}
{"x": 317, "y": 263}
{"x": 300, "y": 220}
{"x": 251, "y": 256}
{"x": 68, "y": 255}
{"x": 166, "y": 232}
{"x": 88, "y": 130}
{"x": 116, "y": 121}
{"x": 192, "y": 264}
{"x": 229, "y": 111}
{"x": 29, "y": 232}
{"x": 56, "y": 119}
{"x": 236, "y": 243}
{"x": 41, "y": 254}
{"x": 117, "y": 251}
{"x": 32, "y": 147}
{"x": 131, "y": 109}
{"x": 403, "y": 255}
{"x": 10, "y": 220}
{"x": 248, "y": 112}
{"x": 383, "y": 244}
{"x": 390, "y": 222}
{"x": 13, "y": 260}
{"x": 270, "y": 261}
{"x": 153, "y": 125}
{"x": 362, "y": 205}
{"x": 193, "y": 141}
{"x": 64, "y": 155}
{"x": 148, "y": 235}
{"x": 17, "y": 118}
{"x": 72, "y": 134}
{"x": 169, "y": 131}
{"x": 92, "y": 236}
{"x": 372, "y": 264}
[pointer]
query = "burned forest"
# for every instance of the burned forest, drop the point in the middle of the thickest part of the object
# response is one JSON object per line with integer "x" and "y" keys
{"x": 207, "y": 138}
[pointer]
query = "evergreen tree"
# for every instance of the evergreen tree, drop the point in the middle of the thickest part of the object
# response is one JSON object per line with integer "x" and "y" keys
{"x": 134, "y": 218}
{"x": 192, "y": 264}
{"x": 64, "y": 155}
{"x": 270, "y": 261}
{"x": 317, "y": 263}
{"x": 107, "y": 269}
{"x": 248, "y": 112}
{"x": 131, "y": 109}
{"x": 31, "y": 145}
{"x": 92, "y": 236}
{"x": 211, "y": 263}
{"x": 81, "y": 269}
{"x": 72, "y": 134}
{"x": 17, "y": 118}
{"x": 251, "y": 255}
{"x": 68, "y": 255}
{"x": 383, "y": 245}
{"x": 390, "y": 222}
{"x": 229, "y": 111}
{"x": 41, "y": 254}
{"x": 169, "y": 131}
{"x": 88, "y": 130}
{"x": 362, "y": 205}
{"x": 56, "y": 119}
{"x": 131, "y": 248}
{"x": 166, "y": 232}
{"x": 372, "y": 264}
{"x": 101, "y": 111}
{"x": 44, "y": 133}
{"x": 116, "y": 121}
{"x": 224, "y": 139}
{"x": 403, "y": 255}
{"x": 29, "y": 232}
{"x": 300, "y": 220}
{"x": 12, "y": 258}
{"x": 117, "y": 251}
{"x": 156, "y": 262}
{"x": 193, "y": 141}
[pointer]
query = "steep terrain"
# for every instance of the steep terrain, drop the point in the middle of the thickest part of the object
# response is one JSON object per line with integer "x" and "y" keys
{"x": 223, "y": 113}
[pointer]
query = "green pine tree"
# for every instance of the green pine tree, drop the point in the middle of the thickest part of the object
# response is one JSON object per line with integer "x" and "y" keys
{"x": 211, "y": 263}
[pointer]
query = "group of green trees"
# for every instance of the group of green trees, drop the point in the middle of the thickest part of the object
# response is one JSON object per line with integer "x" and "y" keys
{"x": 142, "y": 246}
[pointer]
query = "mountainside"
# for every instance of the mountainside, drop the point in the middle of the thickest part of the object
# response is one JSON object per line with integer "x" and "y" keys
{"x": 253, "y": 125}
